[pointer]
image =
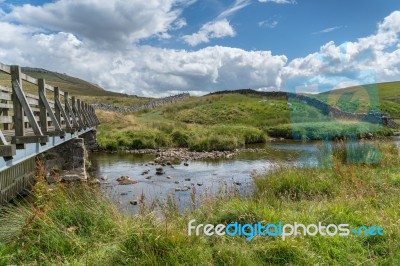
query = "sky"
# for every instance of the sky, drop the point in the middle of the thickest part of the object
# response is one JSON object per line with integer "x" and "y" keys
{"x": 162, "y": 47}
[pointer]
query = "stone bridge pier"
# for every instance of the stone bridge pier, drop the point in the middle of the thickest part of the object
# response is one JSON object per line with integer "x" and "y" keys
{"x": 68, "y": 161}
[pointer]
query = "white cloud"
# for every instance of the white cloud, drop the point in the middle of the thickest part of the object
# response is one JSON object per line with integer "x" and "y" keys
{"x": 278, "y": 1}
{"x": 268, "y": 24}
{"x": 179, "y": 24}
{"x": 218, "y": 28}
{"x": 238, "y": 5}
{"x": 150, "y": 71}
{"x": 112, "y": 22}
{"x": 370, "y": 59}
{"x": 215, "y": 29}
{"x": 142, "y": 70}
{"x": 327, "y": 30}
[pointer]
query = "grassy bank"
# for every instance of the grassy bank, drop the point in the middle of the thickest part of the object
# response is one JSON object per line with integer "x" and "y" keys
{"x": 76, "y": 225}
{"x": 329, "y": 130}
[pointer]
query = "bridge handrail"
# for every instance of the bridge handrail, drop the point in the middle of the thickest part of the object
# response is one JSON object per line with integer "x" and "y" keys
{"x": 22, "y": 114}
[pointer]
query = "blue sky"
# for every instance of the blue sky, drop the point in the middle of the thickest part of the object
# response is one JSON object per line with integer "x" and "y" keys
{"x": 291, "y": 29}
{"x": 160, "y": 47}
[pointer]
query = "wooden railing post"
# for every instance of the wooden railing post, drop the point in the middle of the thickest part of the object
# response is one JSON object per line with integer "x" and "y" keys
{"x": 18, "y": 120}
{"x": 47, "y": 110}
{"x": 42, "y": 106}
{"x": 95, "y": 116}
{"x": 56, "y": 107}
{"x": 91, "y": 123}
{"x": 20, "y": 100}
{"x": 75, "y": 107}
{"x": 67, "y": 114}
{"x": 70, "y": 111}
{"x": 80, "y": 112}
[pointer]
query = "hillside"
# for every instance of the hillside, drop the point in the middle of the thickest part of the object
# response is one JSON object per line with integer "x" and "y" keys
{"x": 386, "y": 96}
{"x": 75, "y": 86}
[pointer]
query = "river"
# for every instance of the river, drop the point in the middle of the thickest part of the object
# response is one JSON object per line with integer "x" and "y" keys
{"x": 187, "y": 186}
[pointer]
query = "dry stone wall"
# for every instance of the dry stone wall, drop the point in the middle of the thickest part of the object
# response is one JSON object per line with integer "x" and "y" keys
{"x": 146, "y": 106}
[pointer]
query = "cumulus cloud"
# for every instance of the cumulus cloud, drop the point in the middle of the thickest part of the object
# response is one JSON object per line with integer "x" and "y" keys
{"x": 374, "y": 58}
{"x": 142, "y": 70}
{"x": 151, "y": 71}
{"x": 215, "y": 29}
{"x": 109, "y": 22}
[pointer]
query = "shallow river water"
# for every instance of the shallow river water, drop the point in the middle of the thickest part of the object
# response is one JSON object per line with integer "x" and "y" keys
{"x": 200, "y": 178}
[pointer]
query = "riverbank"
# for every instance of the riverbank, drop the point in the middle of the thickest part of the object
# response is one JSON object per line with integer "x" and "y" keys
{"x": 77, "y": 225}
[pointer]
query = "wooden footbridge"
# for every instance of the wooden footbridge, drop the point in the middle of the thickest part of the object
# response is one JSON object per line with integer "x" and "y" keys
{"x": 31, "y": 123}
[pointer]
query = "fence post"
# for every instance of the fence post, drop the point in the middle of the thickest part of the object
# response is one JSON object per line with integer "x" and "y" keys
{"x": 56, "y": 107}
{"x": 67, "y": 114}
{"x": 19, "y": 126}
{"x": 42, "y": 107}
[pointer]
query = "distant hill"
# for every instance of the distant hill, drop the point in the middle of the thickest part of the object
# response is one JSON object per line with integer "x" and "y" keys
{"x": 382, "y": 96}
{"x": 385, "y": 95}
{"x": 67, "y": 83}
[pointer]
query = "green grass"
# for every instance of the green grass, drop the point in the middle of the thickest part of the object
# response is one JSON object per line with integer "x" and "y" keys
{"x": 384, "y": 96}
{"x": 211, "y": 138}
{"x": 328, "y": 130}
{"x": 77, "y": 226}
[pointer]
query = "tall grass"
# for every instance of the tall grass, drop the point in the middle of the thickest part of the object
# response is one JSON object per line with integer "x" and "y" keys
{"x": 210, "y": 138}
{"x": 78, "y": 226}
{"x": 328, "y": 130}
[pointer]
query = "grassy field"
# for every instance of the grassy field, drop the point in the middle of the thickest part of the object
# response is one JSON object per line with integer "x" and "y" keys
{"x": 77, "y": 226}
{"x": 225, "y": 121}
{"x": 213, "y": 122}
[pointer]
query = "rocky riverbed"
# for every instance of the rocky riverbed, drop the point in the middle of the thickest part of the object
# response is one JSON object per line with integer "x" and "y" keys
{"x": 184, "y": 154}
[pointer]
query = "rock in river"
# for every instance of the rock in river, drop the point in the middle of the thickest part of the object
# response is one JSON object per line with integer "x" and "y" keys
{"x": 160, "y": 171}
{"x": 125, "y": 180}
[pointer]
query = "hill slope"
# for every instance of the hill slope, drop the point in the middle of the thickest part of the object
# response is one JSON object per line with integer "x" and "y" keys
{"x": 385, "y": 96}
{"x": 73, "y": 85}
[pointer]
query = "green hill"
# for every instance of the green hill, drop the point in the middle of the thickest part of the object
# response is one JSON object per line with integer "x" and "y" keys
{"x": 386, "y": 96}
